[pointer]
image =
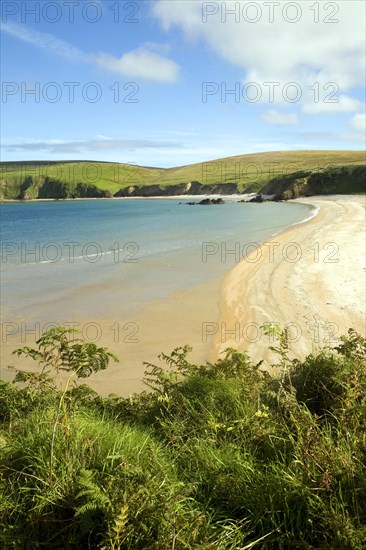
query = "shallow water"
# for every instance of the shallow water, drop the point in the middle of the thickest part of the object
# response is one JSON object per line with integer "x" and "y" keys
{"x": 65, "y": 259}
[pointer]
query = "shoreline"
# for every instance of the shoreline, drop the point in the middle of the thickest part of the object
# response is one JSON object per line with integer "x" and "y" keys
{"x": 310, "y": 278}
{"x": 159, "y": 327}
{"x": 228, "y": 311}
{"x": 159, "y": 197}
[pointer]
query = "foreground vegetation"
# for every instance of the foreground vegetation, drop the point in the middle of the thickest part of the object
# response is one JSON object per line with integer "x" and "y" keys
{"x": 250, "y": 173}
{"x": 214, "y": 456}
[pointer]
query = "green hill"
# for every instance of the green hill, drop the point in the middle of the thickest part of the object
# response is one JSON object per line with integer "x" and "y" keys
{"x": 243, "y": 173}
{"x": 106, "y": 176}
{"x": 258, "y": 168}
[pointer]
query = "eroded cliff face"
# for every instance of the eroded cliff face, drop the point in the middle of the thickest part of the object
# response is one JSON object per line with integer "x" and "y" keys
{"x": 191, "y": 188}
{"x": 153, "y": 190}
{"x": 339, "y": 179}
{"x": 49, "y": 188}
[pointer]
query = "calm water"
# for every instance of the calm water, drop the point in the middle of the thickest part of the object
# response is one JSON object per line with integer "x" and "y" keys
{"x": 99, "y": 258}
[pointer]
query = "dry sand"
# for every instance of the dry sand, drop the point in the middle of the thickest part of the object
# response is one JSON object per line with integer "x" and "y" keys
{"x": 311, "y": 278}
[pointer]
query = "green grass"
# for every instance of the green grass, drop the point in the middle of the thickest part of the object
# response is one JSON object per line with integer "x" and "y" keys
{"x": 112, "y": 485}
{"x": 258, "y": 168}
{"x": 215, "y": 456}
{"x": 105, "y": 175}
{"x": 245, "y": 170}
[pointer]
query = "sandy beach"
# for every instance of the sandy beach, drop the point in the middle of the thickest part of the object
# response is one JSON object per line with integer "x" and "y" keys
{"x": 160, "y": 327}
{"x": 311, "y": 278}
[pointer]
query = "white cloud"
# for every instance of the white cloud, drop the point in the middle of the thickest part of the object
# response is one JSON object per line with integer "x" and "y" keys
{"x": 358, "y": 129}
{"x": 279, "y": 119}
{"x": 141, "y": 63}
{"x": 344, "y": 104}
{"x": 358, "y": 122}
{"x": 44, "y": 41}
{"x": 305, "y": 52}
{"x": 100, "y": 144}
{"x": 101, "y": 136}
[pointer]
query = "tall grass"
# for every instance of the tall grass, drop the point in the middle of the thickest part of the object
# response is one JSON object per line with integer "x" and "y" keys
{"x": 213, "y": 456}
{"x": 113, "y": 486}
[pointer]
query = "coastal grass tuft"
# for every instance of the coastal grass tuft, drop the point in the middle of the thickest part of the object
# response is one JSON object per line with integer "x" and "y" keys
{"x": 214, "y": 456}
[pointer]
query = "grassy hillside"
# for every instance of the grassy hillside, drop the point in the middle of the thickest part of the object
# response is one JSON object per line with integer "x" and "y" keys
{"x": 217, "y": 456}
{"x": 258, "y": 168}
{"x": 104, "y": 175}
{"x": 248, "y": 172}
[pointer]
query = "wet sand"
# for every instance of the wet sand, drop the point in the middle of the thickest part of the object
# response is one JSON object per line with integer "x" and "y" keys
{"x": 160, "y": 327}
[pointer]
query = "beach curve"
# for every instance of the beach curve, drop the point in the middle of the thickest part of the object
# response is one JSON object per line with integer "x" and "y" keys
{"x": 310, "y": 279}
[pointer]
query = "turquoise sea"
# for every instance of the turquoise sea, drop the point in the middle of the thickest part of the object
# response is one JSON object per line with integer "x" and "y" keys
{"x": 99, "y": 258}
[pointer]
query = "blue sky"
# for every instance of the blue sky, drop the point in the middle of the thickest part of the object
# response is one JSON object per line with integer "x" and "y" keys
{"x": 170, "y": 82}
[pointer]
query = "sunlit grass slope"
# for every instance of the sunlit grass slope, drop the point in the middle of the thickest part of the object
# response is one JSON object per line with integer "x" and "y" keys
{"x": 245, "y": 170}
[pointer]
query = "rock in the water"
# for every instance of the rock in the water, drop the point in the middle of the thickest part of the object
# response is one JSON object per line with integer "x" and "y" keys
{"x": 205, "y": 201}
{"x": 258, "y": 198}
{"x": 208, "y": 201}
{"x": 211, "y": 201}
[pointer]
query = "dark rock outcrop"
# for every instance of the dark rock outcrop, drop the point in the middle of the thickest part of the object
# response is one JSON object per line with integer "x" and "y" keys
{"x": 212, "y": 201}
{"x": 258, "y": 198}
{"x": 207, "y": 202}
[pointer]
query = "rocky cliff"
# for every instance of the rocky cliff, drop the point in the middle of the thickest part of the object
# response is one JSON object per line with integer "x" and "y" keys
{"x": 332, "y": 180}
{"x": 340, "y": 179}
{"x": 191, "y": 188}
